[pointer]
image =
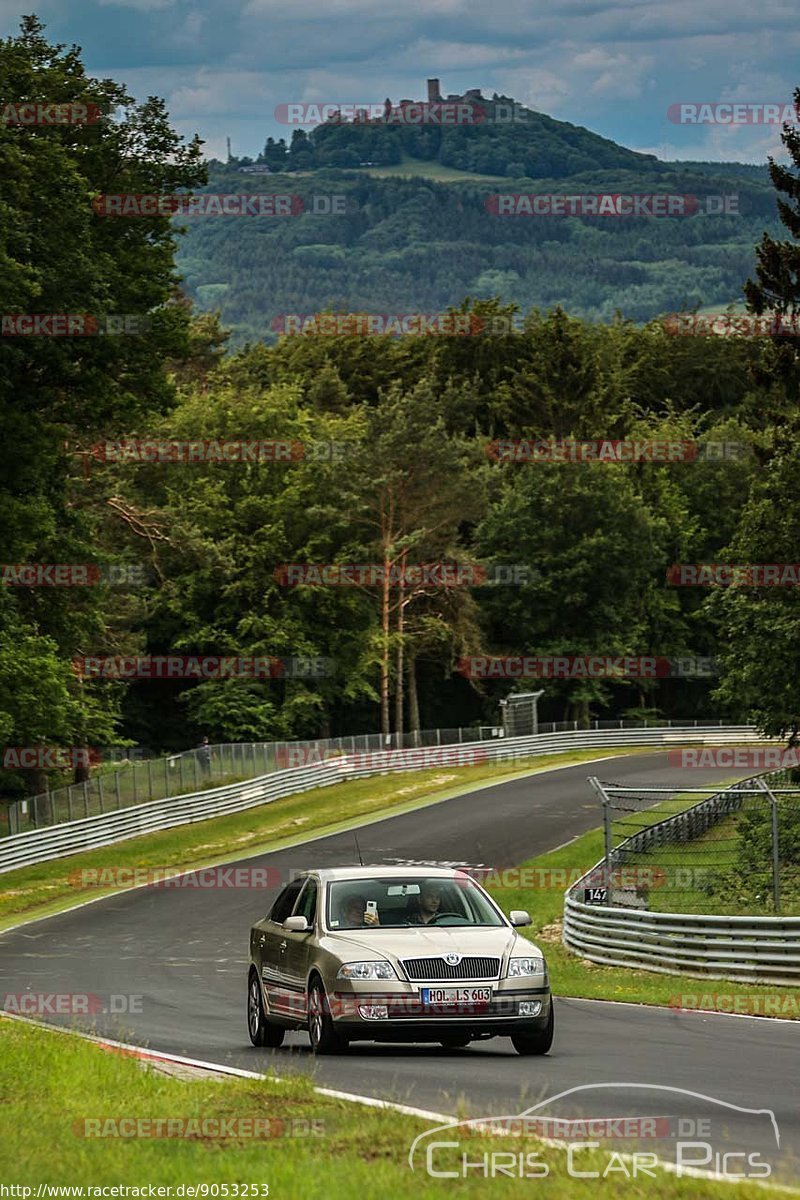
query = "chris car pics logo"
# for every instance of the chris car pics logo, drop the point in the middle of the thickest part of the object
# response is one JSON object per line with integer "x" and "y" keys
{"x": 666, "y": 1129}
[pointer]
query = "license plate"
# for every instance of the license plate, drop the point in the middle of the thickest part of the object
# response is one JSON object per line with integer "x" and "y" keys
{"x": 465, "y": 995}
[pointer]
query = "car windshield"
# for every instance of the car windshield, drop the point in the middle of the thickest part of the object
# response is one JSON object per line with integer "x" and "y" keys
{"x": 400, "y": 902}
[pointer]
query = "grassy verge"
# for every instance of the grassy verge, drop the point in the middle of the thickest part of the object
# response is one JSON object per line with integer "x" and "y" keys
{"x": 51, "y": 1086}
{"x": 549, "y": 875}
{"x": 50, "y": 887}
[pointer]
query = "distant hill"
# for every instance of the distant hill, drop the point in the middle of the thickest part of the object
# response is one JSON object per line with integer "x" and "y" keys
{"x": 419, "y": 233}
{"x": 488, "y": 136}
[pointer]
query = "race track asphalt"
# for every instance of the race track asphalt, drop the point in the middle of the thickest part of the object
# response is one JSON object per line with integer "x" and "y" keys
{"x": 183, "y": 953}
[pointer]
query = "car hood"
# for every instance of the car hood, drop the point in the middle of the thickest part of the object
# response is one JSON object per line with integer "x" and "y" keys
{"x": 419, "y": 942}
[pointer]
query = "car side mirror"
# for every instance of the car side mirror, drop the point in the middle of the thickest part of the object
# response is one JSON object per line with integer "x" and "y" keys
{"x": 296, "y": 925}
{"x": 518, "y": 916}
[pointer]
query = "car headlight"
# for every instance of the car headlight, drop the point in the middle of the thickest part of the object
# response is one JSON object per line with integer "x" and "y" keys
{"x": 525, "y": 966}
{"x": 366, "y": 970}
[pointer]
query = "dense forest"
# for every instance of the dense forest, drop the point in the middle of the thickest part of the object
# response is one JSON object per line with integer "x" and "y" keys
{"x": 391, "y": 460}
{"x": 423, "y": 238}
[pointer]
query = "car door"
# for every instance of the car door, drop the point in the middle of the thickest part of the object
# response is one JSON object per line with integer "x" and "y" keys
{"x": 299, "y": 946}
{"x": 270, "y": 948}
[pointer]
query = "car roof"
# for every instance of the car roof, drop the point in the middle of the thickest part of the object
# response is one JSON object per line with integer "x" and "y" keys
{"x": 333, "y": 874}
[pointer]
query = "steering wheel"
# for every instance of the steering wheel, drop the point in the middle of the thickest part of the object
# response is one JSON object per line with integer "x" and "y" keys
{"x": 459, "y": 917}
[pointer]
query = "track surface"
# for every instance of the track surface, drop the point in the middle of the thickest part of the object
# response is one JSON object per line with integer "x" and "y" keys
{"x": 183, "y": 951}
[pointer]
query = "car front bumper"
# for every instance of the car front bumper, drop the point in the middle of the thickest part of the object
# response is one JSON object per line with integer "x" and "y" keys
{"x": 393, "y": 1015}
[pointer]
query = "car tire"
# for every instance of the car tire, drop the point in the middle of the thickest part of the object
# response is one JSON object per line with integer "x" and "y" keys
{"x": 262, "y": 1032}
{"x": 538, "y": 1042}
{"x": 456, "y": 1042}
{"x": 321, "y": 1033}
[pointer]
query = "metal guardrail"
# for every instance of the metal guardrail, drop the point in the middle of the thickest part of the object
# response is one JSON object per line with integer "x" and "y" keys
{"x": 747, "y": 949}
{"x": 57, "y": 841}
{"x": 136, "y": 775}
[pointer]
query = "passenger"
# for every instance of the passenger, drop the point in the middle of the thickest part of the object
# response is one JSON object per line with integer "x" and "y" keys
{"x": 354, "y": 913}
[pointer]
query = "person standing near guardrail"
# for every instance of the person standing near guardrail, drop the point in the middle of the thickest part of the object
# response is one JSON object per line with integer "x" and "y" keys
{"x": 204, "y": 754}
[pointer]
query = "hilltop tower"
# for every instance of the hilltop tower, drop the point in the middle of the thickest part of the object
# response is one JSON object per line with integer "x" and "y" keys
{"x": 434, "y": 95}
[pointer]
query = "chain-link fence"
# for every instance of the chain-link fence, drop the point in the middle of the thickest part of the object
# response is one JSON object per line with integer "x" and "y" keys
{"x": 702, "y": 850}
{"x": 135, "y": 780}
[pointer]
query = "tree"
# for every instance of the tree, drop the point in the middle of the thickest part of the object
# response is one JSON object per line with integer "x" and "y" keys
{"x": 592, "y": 551}
{"x": 59, "y": 394}
{"x": 759, "y": 627}
{"x": 778, "y": 263}
{"x": 412, "y": 492}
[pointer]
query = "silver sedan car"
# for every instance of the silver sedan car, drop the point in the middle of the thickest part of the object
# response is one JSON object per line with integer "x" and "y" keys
{"x": 415, "y": 954}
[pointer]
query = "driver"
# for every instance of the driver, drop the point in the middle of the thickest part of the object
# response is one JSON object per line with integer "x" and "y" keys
{"x": 430, "y": 902}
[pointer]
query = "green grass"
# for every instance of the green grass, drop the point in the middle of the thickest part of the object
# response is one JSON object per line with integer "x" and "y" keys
{"x": 50, "y": 887}
{"x": 50, "y": 1085}
{"x": 572, "y": 975}
{"x": 413, "y": 168}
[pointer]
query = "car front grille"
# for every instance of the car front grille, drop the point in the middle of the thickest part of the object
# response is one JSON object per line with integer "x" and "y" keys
{"x": 436, "y": 969}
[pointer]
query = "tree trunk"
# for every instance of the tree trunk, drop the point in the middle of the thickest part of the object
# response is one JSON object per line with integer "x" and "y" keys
{"x": 385, "y": 649}
{"x": 413, "y": 698}
{"x": 399, "y": 673}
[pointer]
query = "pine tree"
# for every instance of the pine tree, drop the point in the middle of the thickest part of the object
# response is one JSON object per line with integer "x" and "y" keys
{"x": 778, "y": 270}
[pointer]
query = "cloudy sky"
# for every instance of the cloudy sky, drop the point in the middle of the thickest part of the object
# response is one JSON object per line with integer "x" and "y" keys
{"x": 224, "y": 66}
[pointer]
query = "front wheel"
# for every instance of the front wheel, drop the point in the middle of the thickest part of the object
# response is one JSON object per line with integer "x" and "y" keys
{"x": 321, "y": 1033}
{"x": 262, "y": 1032}
{"x": 536, "y": 1042}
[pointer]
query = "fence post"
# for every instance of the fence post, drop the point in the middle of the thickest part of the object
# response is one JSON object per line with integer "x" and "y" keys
{"x": 85, "y": 798}
{"x": 180, "y": 765}
{"x": 776, "y": 858}
{"x": 150, "y": 778}
{"x": 595, "y": 783}
{"x": 100, "y": 792}
{"x": 166, "y": 776}
{"x": 116, "y": 784}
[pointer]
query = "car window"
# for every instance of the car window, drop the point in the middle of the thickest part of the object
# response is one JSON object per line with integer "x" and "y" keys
{"x": 307, "y": 904}
{"x": 401, "y": 903}
{"x": 282, "y": 908}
